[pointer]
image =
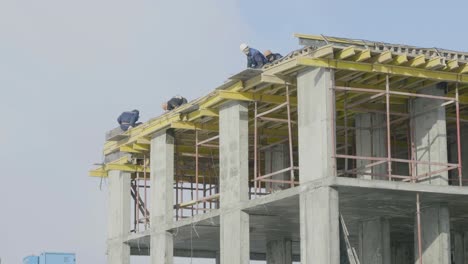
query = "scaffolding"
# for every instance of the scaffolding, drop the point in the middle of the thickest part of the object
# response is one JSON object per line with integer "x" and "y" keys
{"x": 397, "y": 125}
{"x": 259, "y": 148}
{"x": 139, "y": 187}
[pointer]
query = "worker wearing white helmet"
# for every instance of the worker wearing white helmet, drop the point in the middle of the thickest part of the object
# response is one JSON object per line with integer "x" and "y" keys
{"x": 255, "y": 58}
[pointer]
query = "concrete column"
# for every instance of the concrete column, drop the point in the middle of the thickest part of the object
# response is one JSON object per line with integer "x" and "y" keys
{"x": 458, "y": 248}
{"x": 315, "y": 112}
{"x": 402, "y": 253}
{"x": 218, "y": 257}
{"x": 465, "y": 247}
{"x": 279, "y": 251}
{"x": 371, "y": 141}
{"x": 374, "y": 241}
{"x": 464, "y": 152}
{"x": 277, "y": 158}
{"x": 118, "y": 221}
{"x": 162, "y": 195}
{"x": 319, "y": 216}
{"x": 319, "y": 220}
{"x": 234, "y": 177}
{"x": 430, "y": 134}
{"x": 435, "y": 233}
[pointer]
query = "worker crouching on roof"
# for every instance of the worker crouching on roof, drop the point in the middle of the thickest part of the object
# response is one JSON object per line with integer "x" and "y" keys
{"x": 129, "y": 119}
{"x": 255, "y": 58}
{"x": 175, "y": 102}
{"x": 271, "y": 57}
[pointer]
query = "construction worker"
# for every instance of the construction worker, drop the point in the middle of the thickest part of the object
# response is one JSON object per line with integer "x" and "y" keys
{"x": 255, "y": 58}
{"x": 129, "y": 119}
{"x": 271, "y": 57}
{"x": 175, "y": 102}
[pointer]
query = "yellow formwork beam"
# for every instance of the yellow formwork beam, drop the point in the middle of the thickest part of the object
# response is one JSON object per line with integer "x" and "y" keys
{"x": 452, "y": 65}
{"x": 463, "y": 69}
{"x": 417, "y": 61}
{"x": 194, "y": 126}
{"x": 324, "y": 52}
{"x": 384, "y": 57}
{"x": 362, "y": 55}
{"x": 346, "y": 53}
{"x": 266, "y": 98}
{"x": 201, "y": 113}
{"x": 435, "y": 63}
{"x": 383, "y": 69}
{"x": 400, "y": 59}
{"x": 120, "y": 164}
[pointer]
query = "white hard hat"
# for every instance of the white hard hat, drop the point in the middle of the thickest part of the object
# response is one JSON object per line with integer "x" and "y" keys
{"x": 243, "y": 46}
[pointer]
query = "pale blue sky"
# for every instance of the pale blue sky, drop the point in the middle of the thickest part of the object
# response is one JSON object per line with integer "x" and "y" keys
{"x": 69, "y": 67}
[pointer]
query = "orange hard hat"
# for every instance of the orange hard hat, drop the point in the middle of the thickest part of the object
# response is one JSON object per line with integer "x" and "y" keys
{"x": 267, "y": 52}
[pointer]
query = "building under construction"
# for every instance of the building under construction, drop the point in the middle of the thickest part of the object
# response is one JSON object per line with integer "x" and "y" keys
{"x": 344, "y": 151}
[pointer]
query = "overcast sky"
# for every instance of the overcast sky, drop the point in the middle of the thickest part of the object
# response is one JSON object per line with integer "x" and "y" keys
{"x": 69, "y": 67}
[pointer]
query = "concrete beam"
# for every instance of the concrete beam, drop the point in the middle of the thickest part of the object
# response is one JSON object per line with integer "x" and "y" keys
{"x": 162, "y": 195}
{"x": 118, "y": 219}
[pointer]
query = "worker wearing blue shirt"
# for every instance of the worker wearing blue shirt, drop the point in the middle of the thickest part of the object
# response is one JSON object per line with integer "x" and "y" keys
{"x": 271, "y": 57}
{"x": 128, "y": 119}
{"x": 255, "y": 58}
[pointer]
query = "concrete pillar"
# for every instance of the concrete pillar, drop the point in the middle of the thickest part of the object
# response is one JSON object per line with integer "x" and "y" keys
{"x": 319, "y": 216}
{"x": 162, "y": 195}
{"x": 374, "y": 241}
{"x": 118, "y": 222}
{"x": 371, "y": 141}
{"x": 279, "y": 251}
{"x": 458, "y": 248}
{"x": 435, "y": 233}
{"x": 234, "y": 177}
{"x": 402, "y": 253}
{"x": 465, "y": 247}
{"x": 277, "y": 158}
{"x": 315, "y": 112}
{"x": 218, "y": 257}
{"x": 319, "y": 220}
{"x": 464, "y": 152}
{"x": 430, "y": 134}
